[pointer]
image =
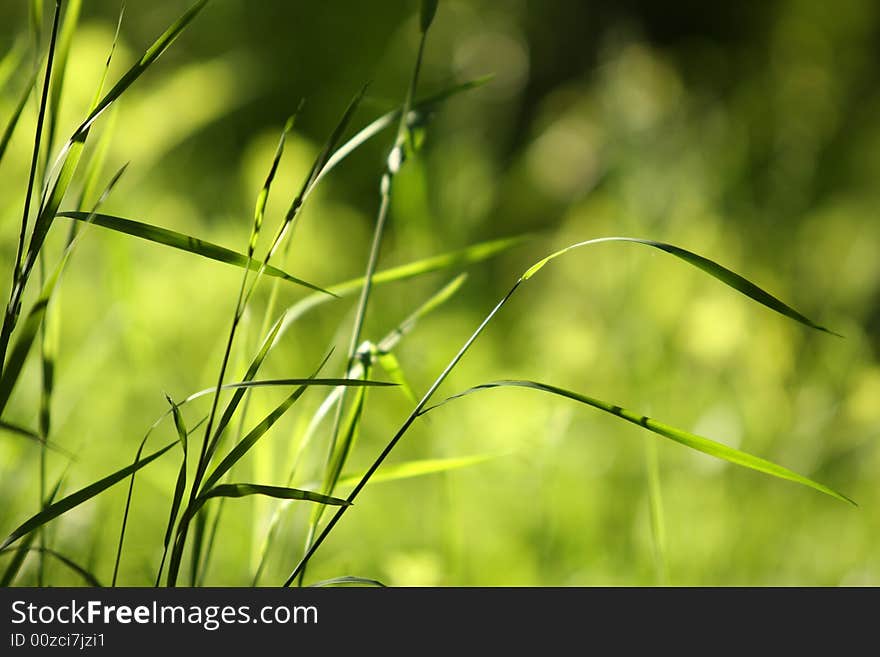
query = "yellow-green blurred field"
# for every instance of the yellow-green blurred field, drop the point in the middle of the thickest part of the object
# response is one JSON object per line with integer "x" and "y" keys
{"x": 749, "y": 135}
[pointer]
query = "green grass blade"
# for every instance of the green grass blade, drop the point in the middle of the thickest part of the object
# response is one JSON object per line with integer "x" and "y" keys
{"x": 24, "y": 432}
{"x": 347, "y": 580}
{"x": 695, "y": 442}
{"x": 726, "y": 276}
{"x": 71, "y": 153}
{"x": 150, "y": 56}
{"x": 388, "y": 361}
{"x": 421, "y": 108}
{"x": 280, "y": 492}
{"x": 419, "y": 468}
{"x": 186, "y": 243}
{"x": 715, "y": 270}
{"x": 22, "y": 550}
{"x": 245, "y": 444}
{"x": 65, "y": 39}
{"x": 11, "y": 61}
{"x": 85, "y": 574}
{"x": 459, "y": 258}
{"x": 16, "y": 115}
{"x": 75, "y": 499}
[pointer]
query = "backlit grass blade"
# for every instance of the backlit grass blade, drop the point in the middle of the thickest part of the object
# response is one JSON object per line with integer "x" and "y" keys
{"x": 347, "y": 580}
{"x": 125, "y": 513}
{"x": 24, "y": 432}
{"x": 280, "y": 492}
{"x": 388, "y": 362}
{"x": 16, "y": 115}
{"x": 263, "y": 196}
{"x": 186, "y": 243}
{"x": 726, "y": 276}
{"x": 65, "y": 39}
{"x": 239, "y": 394}
{"x": 53, "y": 194}
{"x": 17, "y": 281}
{"x": 419, "y": 408}
{"x": 460, "y": 258}
{"x": 75, "y": 499}
{"x": 698, "y": 443}
{"x": 419, "y": 468}
{"x": 150, "y": 56}
{"x": 90, "y": 579}
{"x": 24, "y": 547}
{"x": 420, "y": 108}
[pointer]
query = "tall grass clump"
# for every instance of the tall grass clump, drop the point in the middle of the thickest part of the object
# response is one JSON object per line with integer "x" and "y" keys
{"x": 210, "y": 432}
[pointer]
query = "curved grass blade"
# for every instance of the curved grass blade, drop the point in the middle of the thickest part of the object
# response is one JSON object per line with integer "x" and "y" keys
{"x": 280, "y": 492}
{"x": 65, "y": 39}
{"x": 75, "y": 499}
{"x": 150, "y": 56}
{"x": 22, "y": 550}
{"x": 348, "y": 580}
{"x": 186, "y": 243}
{"x": 698, "y": 443}
{"x": 420, "y": 108}
{"x": 85, "y": 574}
{"x": 417, "y": 411}
{"x": 726, "y": 276}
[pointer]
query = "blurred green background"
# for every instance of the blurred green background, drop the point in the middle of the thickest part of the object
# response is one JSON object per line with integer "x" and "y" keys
{"x": 747, "y": 132}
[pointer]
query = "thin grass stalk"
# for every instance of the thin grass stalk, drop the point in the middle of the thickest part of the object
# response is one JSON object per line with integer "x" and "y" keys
{"x": 14, "y": 306}
{"x": 397, "y": 436}
{"x": 393, "y": 163}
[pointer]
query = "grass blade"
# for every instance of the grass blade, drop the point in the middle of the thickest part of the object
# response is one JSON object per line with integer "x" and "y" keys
{"x": 186, "y": 243}
{"x": 716, "y": 270}
{"x": 460, "y": 258}
{"x": 16, "y": 115}
{"x": 150, "y": 56}
{"x": 22, "y": 550}
{"x": 726, "y": 276}
{"x": 245, "y": 444}
{"x": 75, "y": 499}
{"x": 420, "y": 109}
{"x": 698, "y": 443}
{"x": 90, "y": 579}
{"x": 419, "y": 468}
{"x": 65, "y": 39}
{"x": 24, "y": 432}
{"x": 280, "y": 492}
